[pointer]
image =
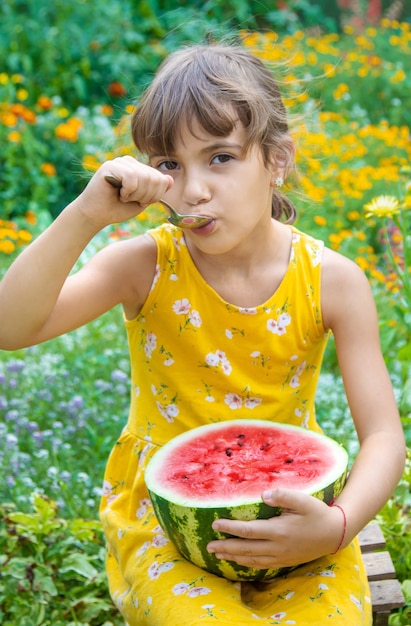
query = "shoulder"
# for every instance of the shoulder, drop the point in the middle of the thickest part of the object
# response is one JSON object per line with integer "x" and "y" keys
{"x": 345, "y": 291}
{"x": 126, "y": 268}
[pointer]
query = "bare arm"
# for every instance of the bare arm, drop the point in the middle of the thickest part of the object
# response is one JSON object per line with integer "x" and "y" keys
{"x": 308, "y": 528}
{"x": 349, "y": 309}
{"x": 38, "y": 299}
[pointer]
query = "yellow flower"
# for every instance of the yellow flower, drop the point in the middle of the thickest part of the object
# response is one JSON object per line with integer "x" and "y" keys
{"x": 7, "y": 246}
{"x": 22, "y": 94}
{"x": 382, "y": 206}
{"x": 14, "y": 136}
{"x": 48, "y": 169}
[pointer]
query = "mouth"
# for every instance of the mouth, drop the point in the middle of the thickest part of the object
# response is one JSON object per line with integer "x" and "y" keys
{"x": 205, "y": 229}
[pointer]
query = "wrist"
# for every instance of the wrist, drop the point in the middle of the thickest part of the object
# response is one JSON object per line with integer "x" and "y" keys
{"x": 343, "y": 526}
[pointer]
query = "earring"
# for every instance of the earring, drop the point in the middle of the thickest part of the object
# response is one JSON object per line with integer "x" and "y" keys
{"x": 279, "y": 182}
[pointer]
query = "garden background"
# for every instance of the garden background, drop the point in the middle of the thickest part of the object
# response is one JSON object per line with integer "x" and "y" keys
{"x": 69, "y": 75}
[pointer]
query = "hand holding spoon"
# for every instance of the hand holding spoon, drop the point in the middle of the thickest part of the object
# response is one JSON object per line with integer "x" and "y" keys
{"x": 183, "y": 221}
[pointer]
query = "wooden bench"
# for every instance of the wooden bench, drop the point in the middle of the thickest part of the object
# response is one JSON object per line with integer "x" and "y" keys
{"x": 386, "y": 593}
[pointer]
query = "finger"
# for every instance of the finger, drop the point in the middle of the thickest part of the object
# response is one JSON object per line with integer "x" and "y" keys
{"x": 289, "y": 500}
{"x": 257, "y": 562}
{"x": 239, "y": 547}
{"x": 257, "y": 529}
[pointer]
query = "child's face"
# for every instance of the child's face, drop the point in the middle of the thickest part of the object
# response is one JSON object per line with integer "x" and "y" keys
{"x": 215, "y": 176}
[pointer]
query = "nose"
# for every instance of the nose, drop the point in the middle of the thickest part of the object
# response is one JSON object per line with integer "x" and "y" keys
{"x": 196, "y": 189}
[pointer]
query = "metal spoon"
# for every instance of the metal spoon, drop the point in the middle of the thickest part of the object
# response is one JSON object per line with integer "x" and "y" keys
{"x": 183, "y": 221}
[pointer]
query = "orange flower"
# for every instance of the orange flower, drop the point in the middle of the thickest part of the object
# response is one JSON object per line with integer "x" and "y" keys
{"x": 69, "y": 130}
{"x": 320, "y": 220}
{"x": 48, "y": 169}
{"x": 107, "y": 110}
{"x": 116, "y": 89}
{"x": 8, "y": 119}
{"x": 30, "y": 217}
{"x": 45, "y": 103}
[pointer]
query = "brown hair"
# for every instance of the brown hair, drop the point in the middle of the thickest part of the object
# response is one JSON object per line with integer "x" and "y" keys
{"x": 215, "y": 85}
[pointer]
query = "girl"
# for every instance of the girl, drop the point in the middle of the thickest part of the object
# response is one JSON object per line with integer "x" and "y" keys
{"x": 224, "y": 321}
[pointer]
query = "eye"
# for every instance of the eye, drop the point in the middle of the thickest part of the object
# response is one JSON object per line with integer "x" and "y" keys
{"x": 167, "y": 166}
{"x": 221, "y": 158}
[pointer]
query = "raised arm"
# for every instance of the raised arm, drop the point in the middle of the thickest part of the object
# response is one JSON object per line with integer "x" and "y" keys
{"x": 38, "y": 298}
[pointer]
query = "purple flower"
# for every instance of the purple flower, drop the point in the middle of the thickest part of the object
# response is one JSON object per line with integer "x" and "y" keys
{"x": 76, "y": 402}
{"x": 117, "y": 376}
{"x": 15, "y": 366}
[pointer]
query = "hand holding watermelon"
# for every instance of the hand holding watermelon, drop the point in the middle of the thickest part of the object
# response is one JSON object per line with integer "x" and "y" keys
{"x": 206, "y": 488}
{"x": 306, "y": 529}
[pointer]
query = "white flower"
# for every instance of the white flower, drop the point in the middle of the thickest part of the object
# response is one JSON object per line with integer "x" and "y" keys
{"x": 226, "y": 367}
{"x": 233, "y": 401}
{"x": 159, "y": 541}
{"x": 195, "y": 319}
{"x": 180, "y": 588}
{"x": 181, "y": 307}
{"x": 143, "y": 548}
{"x": 198, "y": 591}
{"x": 212, "y": 359}
{"x": 251, "y": 403}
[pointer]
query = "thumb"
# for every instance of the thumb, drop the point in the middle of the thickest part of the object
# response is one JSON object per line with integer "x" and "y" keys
{"x": 287, "y": 499}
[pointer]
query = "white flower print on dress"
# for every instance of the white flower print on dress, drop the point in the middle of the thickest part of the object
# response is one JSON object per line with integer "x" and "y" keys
{"x": 278, "y": 327}
{"x": 194, "y": 592}
{"x": 248, "y": 311}
{"x": 150, "y": 344}
{"x": 180, "y": 588}
{"x": 169, "y": 411}
{"x": 217, "y": 359}
{"x": 315, "y": 250}
{"x": 251, "y": 403}
{"x": 142, "y": 510}
{"x": 234, "y": 401}
{"x": 181, "y": 307}
{"x": 159, "y": 541}
{"x": 156, "y": 569}
{"x": 356, "y": 601}
{"x": 146, "y": 545}
{"x": 156, "y": 277}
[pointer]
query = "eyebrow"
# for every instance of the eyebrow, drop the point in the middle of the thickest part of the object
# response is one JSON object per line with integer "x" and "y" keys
{"x": 220, "y": 145}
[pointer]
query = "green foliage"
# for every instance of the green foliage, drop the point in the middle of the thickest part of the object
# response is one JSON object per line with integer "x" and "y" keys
{"x": 56, "y": 567}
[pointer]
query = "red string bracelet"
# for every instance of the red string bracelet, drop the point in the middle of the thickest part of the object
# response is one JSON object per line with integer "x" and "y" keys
{"x": 344, "y": 525}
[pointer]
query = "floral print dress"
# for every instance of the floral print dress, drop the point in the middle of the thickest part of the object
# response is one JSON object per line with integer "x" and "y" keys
{"x": 197, "y": 359}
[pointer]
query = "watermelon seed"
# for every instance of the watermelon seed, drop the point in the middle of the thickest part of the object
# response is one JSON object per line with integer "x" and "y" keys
{"x": 240, "y": 436}
{"x": 289, "y": 461}
{"x": 229, "y": 452}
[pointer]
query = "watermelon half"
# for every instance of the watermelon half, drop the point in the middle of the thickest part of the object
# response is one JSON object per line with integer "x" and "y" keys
{"x": 220, "y": 470}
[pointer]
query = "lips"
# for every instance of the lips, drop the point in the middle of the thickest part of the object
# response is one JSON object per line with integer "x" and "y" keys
{"x": 206, "y": 229}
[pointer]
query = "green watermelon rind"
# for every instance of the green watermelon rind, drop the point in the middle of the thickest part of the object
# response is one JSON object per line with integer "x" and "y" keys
{"x": 189, "y": 527}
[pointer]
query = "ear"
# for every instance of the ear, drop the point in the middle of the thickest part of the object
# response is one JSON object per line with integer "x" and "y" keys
{"x": 282, "y": 161}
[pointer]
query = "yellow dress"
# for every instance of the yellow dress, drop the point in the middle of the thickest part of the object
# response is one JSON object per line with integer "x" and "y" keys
{"x": 197, "y": 359}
